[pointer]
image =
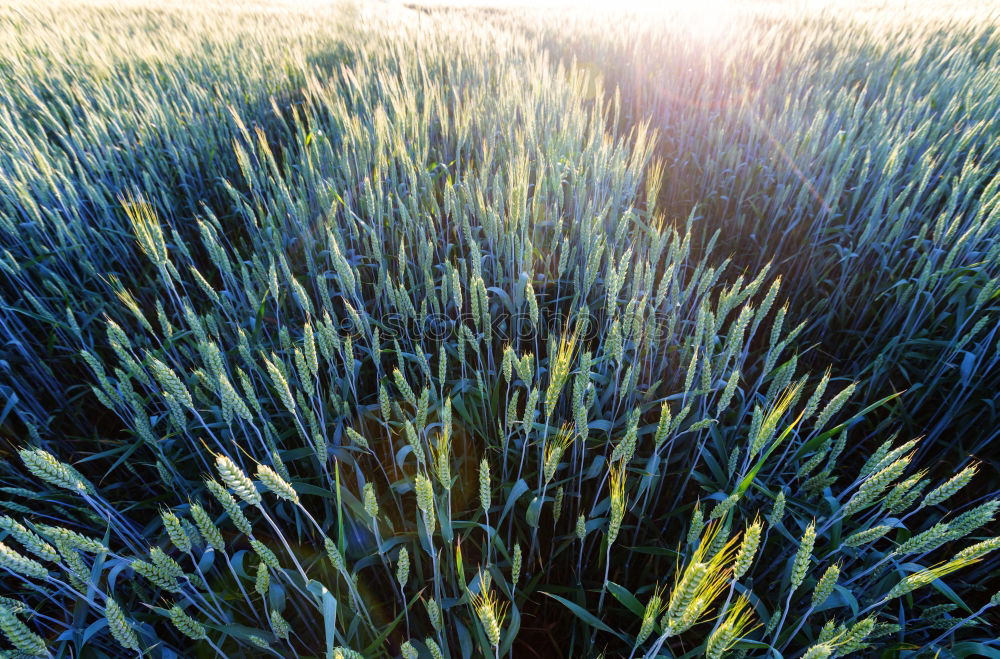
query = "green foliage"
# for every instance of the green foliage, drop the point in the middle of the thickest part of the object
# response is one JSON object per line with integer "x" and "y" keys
{"x": 344, "y": 334}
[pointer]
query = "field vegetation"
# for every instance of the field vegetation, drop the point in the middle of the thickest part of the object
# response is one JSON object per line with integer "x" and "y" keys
{"x": 399, "y": 331}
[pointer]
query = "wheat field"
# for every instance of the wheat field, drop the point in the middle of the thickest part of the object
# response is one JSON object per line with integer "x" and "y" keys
{"x": 386, "y": 330}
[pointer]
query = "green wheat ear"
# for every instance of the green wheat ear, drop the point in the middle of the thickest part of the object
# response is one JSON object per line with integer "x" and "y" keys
{"x": 403, "y": 567}
{"x": 46, "y": 467}
{"x": 276, "y": 484}
{"x": 921, "y": 578}
{"x": 617, "y": 491}
{"x": 434, "y": 613}
{"x": 736, "y": 623}
{"x": 748, "y": 549}
{"x": 649, "y": 615}
{"x": 28, "y": 539}
{"x": 262, "y": 583}
{"x": 121, "y": 630}
{"x": 705, "y": 576}
{"x": 949, "y": 488}
{"x": 515, "y": 565}
{"x": 485, "y": 487}
{"x": 824, "y": 587}
{"x": 819, "y": 651}
{"x": 370, "y": 502}
{"x": 433, "y": 648}
{"x": 867, "y": 536}
{"x": 236, "y": 480}
{"x": 979, "y": 549}
{"x": 357, "y": 438}
{"x": 230, "y": 505}
{"x": 491, "y": 614}
{"x": 178, "y": 536}
{"x": 158, "y": 576}
{"x": 18, "y": 634}
{"x": 280, "y": 626}
{"x": 15, "y": 562}
{"x": 777, "y": 510}
{"x": 800, "y": 564}
{"x": 187, "y": 625}
{"x": 72, "y": 539}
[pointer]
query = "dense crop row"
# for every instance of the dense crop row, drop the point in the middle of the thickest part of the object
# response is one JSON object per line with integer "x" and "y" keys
{"x": 861, "y": 157}
{"x": 333, "y": 334}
